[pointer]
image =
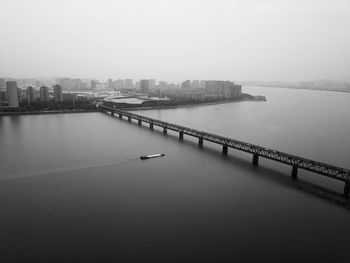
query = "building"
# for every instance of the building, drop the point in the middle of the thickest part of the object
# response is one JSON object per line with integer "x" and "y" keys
{"x": 44, "y": 94}
{"x": 110, "y": 84}
{"x": 30, "y": 94}
{"x": 119, "y": 84}
{"x": 145, "y": 86}
{"x": 93, "y": 84}
{"x": 186, "y": 85}
{"x": 2, "y": 85}
{"x": 163, "y": 85}
{"x": 128, "y": 84}
{"x": 203, "y": 84}
{"x": 12, "y": 94}
{"x": 58, "y": 94}
{"x": 22, "y": 95}
{"x": 138, "y": 86}
{"x": 223, "y": 89}
{"x": 152, "y": 84}
{"x": 195, "y": 84}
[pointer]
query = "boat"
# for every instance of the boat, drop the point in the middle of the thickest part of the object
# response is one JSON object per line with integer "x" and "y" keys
{"x": 144, "y": 157}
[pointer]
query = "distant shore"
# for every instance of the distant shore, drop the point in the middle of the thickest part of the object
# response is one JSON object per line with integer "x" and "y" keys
{"x": 295, "y": 87}
{"x": 45, "y": 112}
{"x": 128, "y": 109}
{"x": 187, "y": 105}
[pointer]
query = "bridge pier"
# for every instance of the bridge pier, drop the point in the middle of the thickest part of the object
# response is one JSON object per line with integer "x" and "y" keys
{"x": 255, "y": 159}
{"x": 165, "y": 131}
{"x": 347, "y": 189}
{"x": 151, "y": 125}
{"x": 120, "y": 116}
{"x": 112, "y": 113}
{"x": 295, "y": 172}
{"x": 224, "y": 149}
{"x": 181, "y": 135}
{"x": 140, "y": 122}
{"x": 200, "y": 141}
{"x": 129, "y": 119}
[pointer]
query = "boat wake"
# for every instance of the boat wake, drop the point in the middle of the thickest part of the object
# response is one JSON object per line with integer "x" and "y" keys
{"x": 19, "y": 175}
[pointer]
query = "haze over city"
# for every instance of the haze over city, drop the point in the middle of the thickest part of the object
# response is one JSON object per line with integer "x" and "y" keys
{"x": 176, "y": 40}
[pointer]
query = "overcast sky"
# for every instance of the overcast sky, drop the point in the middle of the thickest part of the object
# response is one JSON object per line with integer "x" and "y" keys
{"x": 176, "y": 39}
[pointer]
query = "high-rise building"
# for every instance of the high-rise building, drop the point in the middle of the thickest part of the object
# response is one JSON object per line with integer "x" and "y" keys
{"x": 163, "y": 85}
{"x": 110, "y": 85}
{"x": 12, "y": 94}
{"x": 93, "y": 84}
{"x": 44, "y": 94}
{"x": 58, "y": 94}
{"x": 195, "y": 84}
{"x": 128, "y": 84}
{"x": 203, "y": 84}
{"x": 138, "y": 85}
{"x": 30, "y": 94}
{"x": 119, "y": 84}
{"x": 145, "y": 86}
{"x": 186, "y": 85}
{"x": 21, "y": 95}
{"x": 152, "y": 84}
{"x": 2, "y": 85}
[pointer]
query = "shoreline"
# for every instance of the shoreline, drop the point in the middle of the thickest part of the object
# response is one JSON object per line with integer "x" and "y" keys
{"x": 298, "y": 88}
{"x": 127, "y": 109}
{"x": 45, "y": 112}
{"x": 188, "y": 105}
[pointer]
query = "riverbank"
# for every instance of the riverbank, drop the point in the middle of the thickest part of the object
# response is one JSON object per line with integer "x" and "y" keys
{"x": 44, "y": 112}
{"x": 188, "y": 105}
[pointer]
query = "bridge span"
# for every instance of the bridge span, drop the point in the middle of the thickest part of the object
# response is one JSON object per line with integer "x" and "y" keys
{"x": 257, "y": 151}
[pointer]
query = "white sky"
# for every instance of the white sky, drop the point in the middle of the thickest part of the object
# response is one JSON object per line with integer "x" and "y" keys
{"x": 176, "y": 39}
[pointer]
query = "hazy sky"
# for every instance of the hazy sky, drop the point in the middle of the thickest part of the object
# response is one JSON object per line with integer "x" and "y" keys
{"x": 176, "y": 39}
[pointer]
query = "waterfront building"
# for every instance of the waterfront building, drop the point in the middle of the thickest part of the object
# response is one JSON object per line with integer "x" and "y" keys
{"x": 222, "y": 89}
{"x": 2, "y": 97}
{"x": 138, "y": 86}
{"x": 128, "y": 84}
{"x": 93, "y": 84}
{"x": 44, "y": 94}
{"x": 30, "y": 94}
{"x": 110, "y": 85}
{"x": 145, "y": 86}
{"x": 119, "y": 84}
{"x": 195, "y": 84}
{"x": 21, "y": 95}
{"x": 152, "y": 84}
{"x": 186, "y": 85}
{"x": 163, "y": 85}
{"x": 203, "y": 84}
{"x": 2, "y": 85}
{"x": 58, "y": 94}
{"x": 12, "y": 94}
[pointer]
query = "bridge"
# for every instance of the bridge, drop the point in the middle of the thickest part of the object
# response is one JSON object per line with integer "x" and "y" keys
{"x": 296, "y": 162}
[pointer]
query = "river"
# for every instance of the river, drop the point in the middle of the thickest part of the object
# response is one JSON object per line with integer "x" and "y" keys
{"x": 73, "y": 189}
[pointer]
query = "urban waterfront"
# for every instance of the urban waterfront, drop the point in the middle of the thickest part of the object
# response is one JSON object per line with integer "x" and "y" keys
{"x": 74, "y": 189}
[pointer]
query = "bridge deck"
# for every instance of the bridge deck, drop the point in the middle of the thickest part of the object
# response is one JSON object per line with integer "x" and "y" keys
{"x": 328, "y": 170}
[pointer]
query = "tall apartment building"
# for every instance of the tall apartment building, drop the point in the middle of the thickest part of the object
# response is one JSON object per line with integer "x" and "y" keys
{"x": 163, "y": 85}
{"x": 93, "y": 84}
{"x": 12, "y": 94}
{"x": 145, "y": 86}
{"x": 152, "y": 84}
{"x": 128, "y": 84}
{"x": 186, "y": 85}
{"x": 195, "y": 84}
{"x": 30, "y": 94}
{"x": 58, "y": 94}
{"x": 44, "y": 94}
